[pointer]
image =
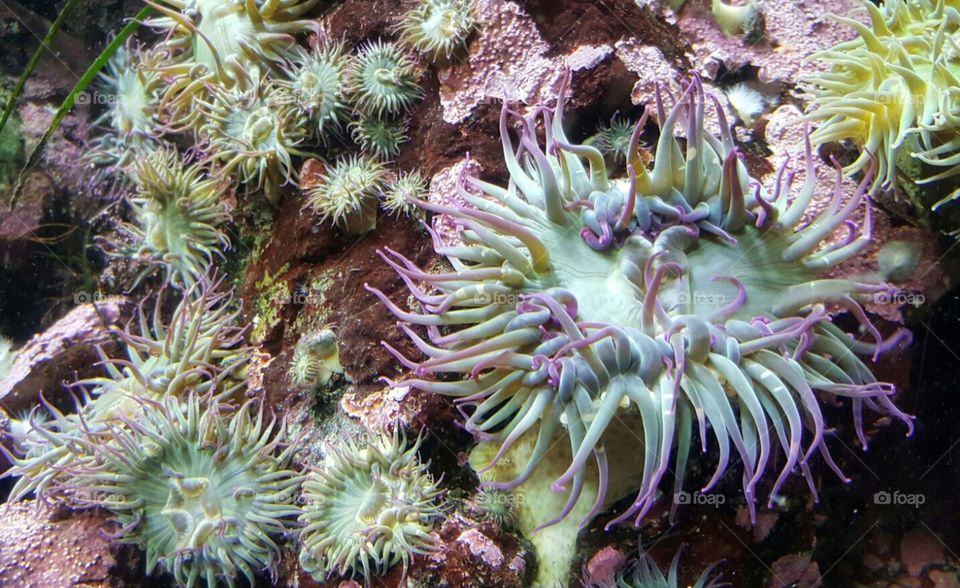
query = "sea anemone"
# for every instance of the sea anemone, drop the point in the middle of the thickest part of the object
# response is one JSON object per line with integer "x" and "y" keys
{"x": 644, "y": 573}
{"x": 381, "y": 79}
{"x": 130, "y": 125}
{"x": 202, "y": 491}
{"x": 497, "y": 506}
{"x": 380, "y": 137}
{"x": 747, "y": 20}
{"x": 613, "y": 140}
{"x": 745, "y": 102}
{"x": 228, "y": 44}
{"x": 686, "y": 294}
{"x": 197, "y": 350}
{"x": 315, "y": 359}
{"x": 178, "y": 215}
{"x": 315, "y": 83}
{"x": 367, "y": 508}
{"x": 256, "y": 133}
{"x": 892, "y": 91}
{"x": 437, "y": 28}
{"x": 347, "y": 193}
{"x": 400, "y": 195}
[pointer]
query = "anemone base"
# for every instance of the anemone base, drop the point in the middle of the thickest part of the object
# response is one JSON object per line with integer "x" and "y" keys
{"x": 538, "y": 504}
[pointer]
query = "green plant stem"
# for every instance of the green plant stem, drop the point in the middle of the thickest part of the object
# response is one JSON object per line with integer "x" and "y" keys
{"x": 82, "y": 84}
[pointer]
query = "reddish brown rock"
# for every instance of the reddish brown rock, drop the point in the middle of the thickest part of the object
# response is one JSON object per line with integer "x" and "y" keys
{"x": 39, "y": 549}
{"x": 62, "y": 353}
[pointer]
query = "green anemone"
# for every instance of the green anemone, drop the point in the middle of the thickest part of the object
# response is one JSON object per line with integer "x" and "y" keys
{"x": 381, "y": 80}
{"x": 197, "y": 350}
{"x": 685, "y": 299}
{"x": 367, "y": 508}
{"x": 894, "y": 89}
{"x": 178, "y": 215}
{"x": 347, "y": 193}
{"x": 204, "y": 492}
{"x": 438, "y": 28}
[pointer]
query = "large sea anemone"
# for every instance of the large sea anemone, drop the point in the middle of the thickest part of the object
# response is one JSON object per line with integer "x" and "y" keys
{"x": 683, "y": 298}
{"x": 368, "y": 508}
{"x": 204, "y": 492}
{"x": 893, "y": 90}
{"x": 178, "y": 215}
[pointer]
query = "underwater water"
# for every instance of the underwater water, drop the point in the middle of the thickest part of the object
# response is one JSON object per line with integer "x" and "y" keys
{"x": 479, "y": 293}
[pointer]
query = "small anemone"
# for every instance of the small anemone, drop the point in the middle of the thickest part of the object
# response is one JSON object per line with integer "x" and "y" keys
{"x": 381, "y": 79}
{"x": 203, "y": 491}
{"x": 438, "y": 28}
{"x": 130, "y": 125}
{"x": 178, "y": 215}
{"x": 315, "y": 359}
{"x": 683, "y": 301}
{"x": 315, "y": 81}
{"x": 401, "y": 194}
{"x": 892, "y": 90}
{"x": 223, "y": 43}
{"x": 368, "y": 508}
{"x": 745, "y": 21}
{"x": 378, "y": 136}
{"x": 347, "y": 193}
{"x": 256, "y": 133}
{"x": 644, "y": 573}
{"x": 497, "y": 506}
{"x": 613, "y": 140}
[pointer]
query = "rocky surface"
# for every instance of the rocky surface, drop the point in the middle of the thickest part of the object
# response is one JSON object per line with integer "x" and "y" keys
{"x": 296, "y": 276}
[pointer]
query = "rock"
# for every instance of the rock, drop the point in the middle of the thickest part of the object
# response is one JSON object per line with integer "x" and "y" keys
{"x": 65, "y": 350}
{"x": 918, "y": 550}
{"x": 39, "y": 549}
{"x": 795, "y": 570}
{"x": 603, "y": 567}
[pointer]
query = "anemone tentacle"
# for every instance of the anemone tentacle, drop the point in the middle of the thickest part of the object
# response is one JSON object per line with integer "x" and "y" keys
{"x": 686, "y": 294}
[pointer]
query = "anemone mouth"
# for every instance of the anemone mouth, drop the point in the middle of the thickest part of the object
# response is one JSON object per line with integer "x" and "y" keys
{"x": 687, "y": 295}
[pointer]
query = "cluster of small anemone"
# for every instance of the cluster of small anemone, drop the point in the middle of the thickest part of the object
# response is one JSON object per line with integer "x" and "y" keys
{"x": 232, "y": 79}
{"x": 686, "y": 299}
{"x": 891, "y": 92}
